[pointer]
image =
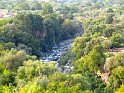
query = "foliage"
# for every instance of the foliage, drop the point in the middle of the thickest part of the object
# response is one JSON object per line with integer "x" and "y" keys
{"x": 37, "y": 26}
{"x": 33, "y": 69}
{"x": 13, "y": 59}
{"x": 117, "y": 40}
{"x": 117, "y": 77}
{"x": 121, "y": 89}
{"x": 109, "y": 19}
{"x": 67, "y": 56}
{"x": 115, "y": 61}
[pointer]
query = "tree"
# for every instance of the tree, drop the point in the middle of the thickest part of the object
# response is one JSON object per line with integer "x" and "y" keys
{"x": 79, "y": 45}
{"x": 110, "y": 10}
{"x": 7, "y": 78}
{"x": 2, "y": 49}
{"x": 10, "y": 45}
{"x": 23, "y": 5}
{"x": 108, "y": 31}
{"x": 95, "y": 60}
{"x": 116, "y": 78}
{"x": 109, "y": 19}
{"x": 117, "y": 39}
{"x": 106, "y": 44}
{"x": 13, "y": 59}
{"x": 33, "y": 87}
{"x": 36, "y": 6}
{"x": 26, "y": 48}
{"x": 47, "y": 8}
{"x": 33, "y": 69}
{"x": 70, "y": 28}
{"x": 115, "y": 61}
{"x": 80, "y": 81}
{"x": 121, "y": 89}
{"x": 31, "y": 31}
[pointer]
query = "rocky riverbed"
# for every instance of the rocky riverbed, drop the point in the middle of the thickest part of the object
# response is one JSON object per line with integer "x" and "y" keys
{"x": 56, "y": 54}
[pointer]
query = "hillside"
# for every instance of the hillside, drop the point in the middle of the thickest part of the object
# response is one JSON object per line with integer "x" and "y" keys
{"x": 62, "y": 46}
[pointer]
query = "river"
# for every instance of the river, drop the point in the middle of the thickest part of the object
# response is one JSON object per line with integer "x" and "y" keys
{"x": 56, "y": 54}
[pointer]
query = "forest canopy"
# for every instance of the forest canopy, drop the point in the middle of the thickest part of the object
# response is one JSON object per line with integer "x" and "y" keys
{"x": 94, "y": 61}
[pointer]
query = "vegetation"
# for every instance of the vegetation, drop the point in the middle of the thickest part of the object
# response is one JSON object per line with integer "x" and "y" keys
{"x": 97, "y": 56}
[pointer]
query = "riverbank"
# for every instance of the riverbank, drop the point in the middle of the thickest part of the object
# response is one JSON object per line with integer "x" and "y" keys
{"x": 56, "y": 53}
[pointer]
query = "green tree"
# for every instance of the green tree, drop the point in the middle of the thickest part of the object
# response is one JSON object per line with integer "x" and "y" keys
{"x": 13, "y": 59}
{"x": 33, "y": 69}
{"x": 26, "y": 48}
{"x": 95, "y": 60}
{"x": 117, "y": 40}
{"x": 36, "y": 6}
{"x": 70, "y": 29}
{"x": 109, "y": 19}
{"x": 7, "y": 78}
{"x": 116, "y": 78}
{"x": 47, "y": 8}
{"x": 115, "y": 61}
{"x": 108, "y": 31}
{"x": 121, "y": 89}
{"x": 79, "y": 45}
{"x": 22, "y": 5}
{"x": 10, "y": 45}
